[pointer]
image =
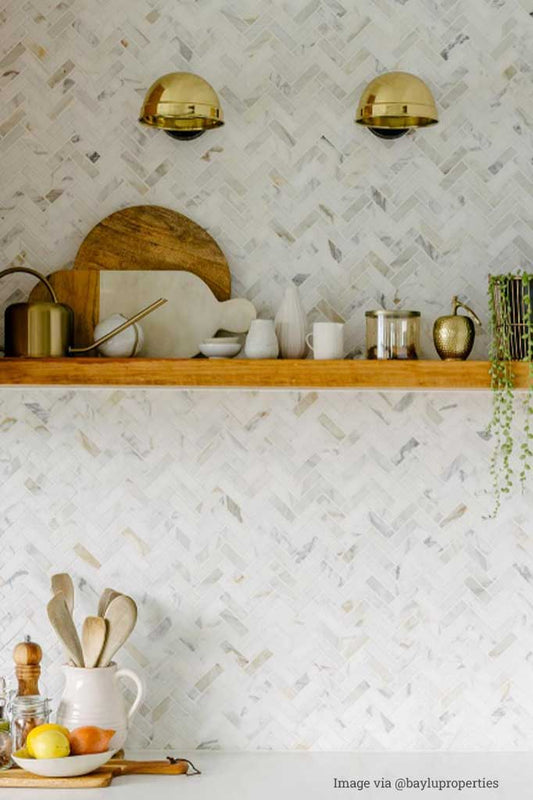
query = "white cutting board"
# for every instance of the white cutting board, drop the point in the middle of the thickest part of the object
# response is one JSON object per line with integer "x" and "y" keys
{"x": 176, "y": 329}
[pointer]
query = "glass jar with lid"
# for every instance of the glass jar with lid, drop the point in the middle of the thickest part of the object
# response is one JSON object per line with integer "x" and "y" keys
{"x": 392, "y": 334}
{"x": 5, "y": 732}
{"x": 26, "y": 713}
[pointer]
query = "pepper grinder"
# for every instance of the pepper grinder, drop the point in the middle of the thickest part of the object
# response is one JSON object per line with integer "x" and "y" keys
{"x": 27, "y": 656}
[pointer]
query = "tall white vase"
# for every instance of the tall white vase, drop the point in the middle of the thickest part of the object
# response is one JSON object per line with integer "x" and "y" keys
{"x": 290, "y": 325}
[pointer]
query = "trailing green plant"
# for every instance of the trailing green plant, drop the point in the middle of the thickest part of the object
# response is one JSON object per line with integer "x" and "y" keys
{"x": 503, "y": 327}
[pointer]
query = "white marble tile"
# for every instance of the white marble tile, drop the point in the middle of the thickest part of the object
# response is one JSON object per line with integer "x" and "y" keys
{"x": 297, "y": 588}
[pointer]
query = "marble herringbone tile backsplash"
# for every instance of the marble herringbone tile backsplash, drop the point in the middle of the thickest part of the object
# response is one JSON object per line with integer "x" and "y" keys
{"x": 313, "y": 570}
{"x": 290, "y": 187}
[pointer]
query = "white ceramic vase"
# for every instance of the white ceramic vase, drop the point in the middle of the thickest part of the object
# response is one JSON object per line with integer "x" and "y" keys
{"x": 261, "y": 341}
{"x": 94, "y": 697}
{"x": 124, "y": 345}
{"x": 290, "y": 325}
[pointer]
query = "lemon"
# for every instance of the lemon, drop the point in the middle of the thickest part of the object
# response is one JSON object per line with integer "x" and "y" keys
{"x": 35, "y": 732}
{"x": 22, "y": 753}
{"x": 50, "y": 744}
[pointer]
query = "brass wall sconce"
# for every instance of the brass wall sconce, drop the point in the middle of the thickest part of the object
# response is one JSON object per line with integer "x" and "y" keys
{"x": 394, "y": 102}
{"x": 182, "y": 104}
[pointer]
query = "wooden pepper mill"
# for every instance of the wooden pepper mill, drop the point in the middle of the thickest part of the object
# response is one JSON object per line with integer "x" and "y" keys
{"x": 27, "y": 657}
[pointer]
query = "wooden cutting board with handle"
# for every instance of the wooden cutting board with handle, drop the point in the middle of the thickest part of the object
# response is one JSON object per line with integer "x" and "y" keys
{"x": 21, "y": 779}
{"x": 175, "y": 330}
{"x": 155, "y": 238}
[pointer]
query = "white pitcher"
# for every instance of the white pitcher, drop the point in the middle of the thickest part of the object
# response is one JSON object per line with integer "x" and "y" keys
{"x": 94, "y": 697}
{"x": 261, "y": 341}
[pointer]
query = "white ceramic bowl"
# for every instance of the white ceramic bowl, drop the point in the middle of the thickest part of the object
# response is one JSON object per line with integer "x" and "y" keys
{"x": 220, "y": 349}
{"x": 68, "y": 767}
{"x": 222, "y": 340}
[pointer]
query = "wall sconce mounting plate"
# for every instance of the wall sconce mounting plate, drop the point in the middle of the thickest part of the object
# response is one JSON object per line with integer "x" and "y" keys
{"x": 182, "y": 104}
{"x": 394, "y": 102}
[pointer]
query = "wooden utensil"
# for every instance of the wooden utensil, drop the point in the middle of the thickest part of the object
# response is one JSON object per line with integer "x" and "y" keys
{"x": 121, "y": 616}
{"x": 93, "y": 636}
{"x": 155, "y": 238}
{"x": 105, "y": 598}
{"x": 62, "y": 622}
{"x": 62, "y": 582}
{"x": 191, "y": 314}
{"x": 20, "y": 778}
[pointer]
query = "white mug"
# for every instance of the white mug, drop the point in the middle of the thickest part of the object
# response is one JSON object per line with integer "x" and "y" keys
{"x": 328, "y": 340}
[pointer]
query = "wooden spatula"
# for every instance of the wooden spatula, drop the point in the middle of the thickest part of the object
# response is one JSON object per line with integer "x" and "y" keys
{"x": 106, "y": 597}
{"x": 63, "y": 624}
{"x": 62, "y": 582}
{"x": 93, "y": 635}
{"x": 121, "y": 616}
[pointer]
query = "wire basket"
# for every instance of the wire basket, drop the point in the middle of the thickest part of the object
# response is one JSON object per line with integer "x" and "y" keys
{"x": 511, "y": 310}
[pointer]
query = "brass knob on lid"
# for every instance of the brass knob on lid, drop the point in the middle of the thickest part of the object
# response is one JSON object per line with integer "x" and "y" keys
{"x": 27, "y": 656}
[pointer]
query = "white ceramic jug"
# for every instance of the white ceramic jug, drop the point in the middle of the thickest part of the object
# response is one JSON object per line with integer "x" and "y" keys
{"x": 94, "y": 697}
{"x": 261, "y": 341}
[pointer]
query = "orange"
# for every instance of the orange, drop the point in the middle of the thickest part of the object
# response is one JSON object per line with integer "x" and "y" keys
{"x": 89, "y": 739}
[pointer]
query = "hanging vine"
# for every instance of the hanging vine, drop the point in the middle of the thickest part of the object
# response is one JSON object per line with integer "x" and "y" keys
{"x": 503, "y": 322}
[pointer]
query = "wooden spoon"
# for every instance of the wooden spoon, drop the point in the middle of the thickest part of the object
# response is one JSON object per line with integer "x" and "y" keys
{"x": 93, "y": 635}
{"x": 105, "y": 599}
{"x": 62, "y": 582}
{"x": 63, "y": 624}
{"x": 121, "y": 616}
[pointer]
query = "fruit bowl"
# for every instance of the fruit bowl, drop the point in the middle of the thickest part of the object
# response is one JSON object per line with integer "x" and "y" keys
{"x": 68, "y": 767}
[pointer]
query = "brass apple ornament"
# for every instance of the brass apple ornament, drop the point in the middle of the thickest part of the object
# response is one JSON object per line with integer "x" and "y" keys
{"x": 454, "y": 335}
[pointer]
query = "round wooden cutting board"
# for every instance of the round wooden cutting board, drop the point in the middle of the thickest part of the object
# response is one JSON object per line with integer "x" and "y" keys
{"x": 153, "y": 237}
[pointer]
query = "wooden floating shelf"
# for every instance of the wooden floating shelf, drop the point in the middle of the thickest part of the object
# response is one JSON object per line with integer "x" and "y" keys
{"x": 302, "y": 374}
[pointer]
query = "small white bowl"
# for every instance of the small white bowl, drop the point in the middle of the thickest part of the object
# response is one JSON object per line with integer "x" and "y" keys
{"x": 68, "y": 767}
{"x": 220, "y": 349}
{"x": 222, "y": 340}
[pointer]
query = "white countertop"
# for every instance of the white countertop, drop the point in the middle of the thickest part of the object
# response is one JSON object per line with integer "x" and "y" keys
{"x": 310, "y": 776}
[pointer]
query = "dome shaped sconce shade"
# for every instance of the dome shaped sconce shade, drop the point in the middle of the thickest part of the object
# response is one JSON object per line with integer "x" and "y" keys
{"x": 183, "y": 105}
{"x": 394, "y": 102}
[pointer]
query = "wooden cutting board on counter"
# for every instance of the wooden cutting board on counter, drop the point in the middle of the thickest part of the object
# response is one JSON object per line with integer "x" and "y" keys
{"x": 155, "y": 238}
{"x": 21, "y": 779}
{"x": 175, "y": 330}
